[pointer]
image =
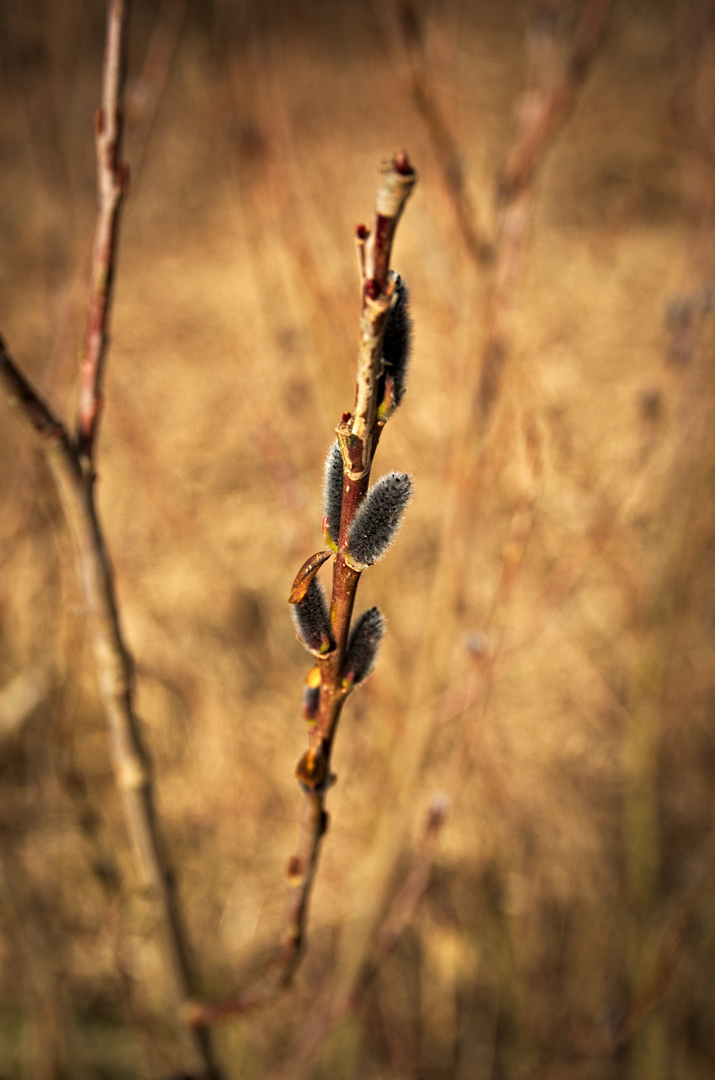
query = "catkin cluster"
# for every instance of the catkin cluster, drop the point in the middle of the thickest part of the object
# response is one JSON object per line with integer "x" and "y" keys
{"x": 372, "y": 529}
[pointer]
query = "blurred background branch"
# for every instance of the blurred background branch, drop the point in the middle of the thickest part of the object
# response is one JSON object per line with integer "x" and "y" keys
{"x": 71, "y": 462}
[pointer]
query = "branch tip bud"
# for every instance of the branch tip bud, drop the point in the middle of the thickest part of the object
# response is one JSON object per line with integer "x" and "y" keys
{"x": 401, "y": 163}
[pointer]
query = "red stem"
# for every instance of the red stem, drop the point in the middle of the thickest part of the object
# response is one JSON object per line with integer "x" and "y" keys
{"x": 112, "y": 178}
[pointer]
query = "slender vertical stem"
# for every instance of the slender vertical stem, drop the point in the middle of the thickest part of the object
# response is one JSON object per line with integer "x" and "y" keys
{"x": 423, "y": 89}
{"x": 130, "y": 760}
{"x": 112, "y": 178}
{"x": 71, "y": 463}
{"x": 398, "y": 915}
{"x": 528, "y": 152}
{"x": 358, "y": 434}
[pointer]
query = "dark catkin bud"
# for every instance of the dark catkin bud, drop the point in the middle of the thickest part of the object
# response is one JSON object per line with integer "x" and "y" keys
{"x": 378, "y": 519}
{"x": 333, "y": 491}
{"x": 311, "y": 700}
{"x": 396, "y": 345}
{"x": 313, "y": 622}
{"x": 363, "y": 646}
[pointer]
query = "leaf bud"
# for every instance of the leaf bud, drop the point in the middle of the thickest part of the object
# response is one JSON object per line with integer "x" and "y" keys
{"x": 311, "y": 770}
{"x": 311, "y": 701}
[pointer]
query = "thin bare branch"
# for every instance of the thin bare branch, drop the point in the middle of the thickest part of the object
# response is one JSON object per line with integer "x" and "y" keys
{"x": 131, "y": 764}
{"x": 558, "y": 103}
{"x": 147, "y": 89}
{"x": 444, "y": 143}
{"x": 399, "y": 914}
{"x": 112, "y": 176}
{"x": 21, "y": 392}
{"x": 72, "y": 469}
{"x": 548, "y": 110}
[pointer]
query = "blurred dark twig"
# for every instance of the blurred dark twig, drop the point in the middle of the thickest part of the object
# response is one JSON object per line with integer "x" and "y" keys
{"x": 145, "y": 92}
{"x": 444, "y": 143}
{"x": 399, "y": 914}
{"x": 604, "y": 1039}
{"x": 544, "y": 111}
{"x": 470, "y": 454}
{"x": 556, "y": 105}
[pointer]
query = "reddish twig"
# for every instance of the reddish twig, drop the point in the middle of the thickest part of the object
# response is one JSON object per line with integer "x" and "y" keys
{"x": 112, "y": 176}
{"x": 72, "y": 469}
{"x": 398, "y": 916}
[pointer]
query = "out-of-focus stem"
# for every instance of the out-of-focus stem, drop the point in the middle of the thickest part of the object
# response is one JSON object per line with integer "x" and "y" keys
{"x": 75, "y": 483}
{"x": 444, "y": 143}
{"x": 71, "y": 463}
{"x": 528, "y": 152}
{"x": 399, "y": 913}
{"x": 112, "y": 177}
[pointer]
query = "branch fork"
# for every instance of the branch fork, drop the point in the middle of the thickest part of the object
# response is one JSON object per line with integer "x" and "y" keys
{"x": 71, "y": 461}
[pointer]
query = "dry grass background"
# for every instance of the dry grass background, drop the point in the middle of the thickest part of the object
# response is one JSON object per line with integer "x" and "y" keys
{"x": 549, "y": 600}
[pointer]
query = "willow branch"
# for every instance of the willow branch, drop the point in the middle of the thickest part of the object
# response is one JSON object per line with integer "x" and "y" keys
{"x": 112, "y": 176}
{"x": 358, "y": 434}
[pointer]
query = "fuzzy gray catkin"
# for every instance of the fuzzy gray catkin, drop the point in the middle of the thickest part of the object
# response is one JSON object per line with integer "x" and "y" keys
{"x": 313, "y": 622}
{"x": 379, "y": 517}
{"x": 363, "y": 645}
{"x": 396, "y": 343}
{"x": 333, "y": 491}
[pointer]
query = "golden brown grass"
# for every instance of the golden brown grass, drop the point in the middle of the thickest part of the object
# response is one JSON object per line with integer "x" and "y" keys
{"x": 548, "y": 661}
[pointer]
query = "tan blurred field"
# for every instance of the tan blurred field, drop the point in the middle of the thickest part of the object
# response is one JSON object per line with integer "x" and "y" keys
{"x": 549, "y": 658}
